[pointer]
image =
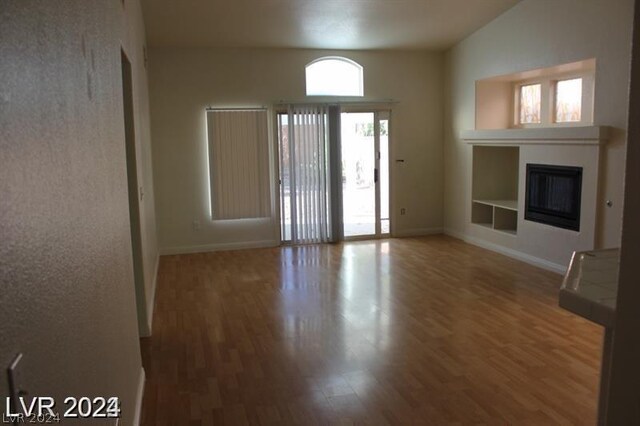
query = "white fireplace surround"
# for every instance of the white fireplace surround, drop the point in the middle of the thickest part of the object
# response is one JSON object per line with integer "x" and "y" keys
{"x": 540, "y": 244}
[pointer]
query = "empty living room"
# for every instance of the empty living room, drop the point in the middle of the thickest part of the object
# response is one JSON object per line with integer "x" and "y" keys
{"x": 302, "y": 212}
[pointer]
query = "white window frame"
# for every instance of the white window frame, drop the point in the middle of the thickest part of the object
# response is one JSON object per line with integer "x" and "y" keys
{"x": 548, "y": 100}
{"x": 516, "y": 111}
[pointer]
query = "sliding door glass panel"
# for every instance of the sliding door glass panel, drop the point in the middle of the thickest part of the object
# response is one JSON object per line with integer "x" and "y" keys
{"x": 358, "y": 177}
{"x": 285, "y": 181}
{"x": 384, "y": 177}
{"x": 304, "y": 175}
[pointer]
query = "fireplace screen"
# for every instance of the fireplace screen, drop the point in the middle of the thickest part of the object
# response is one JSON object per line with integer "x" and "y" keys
{"x": 553, "y": 195}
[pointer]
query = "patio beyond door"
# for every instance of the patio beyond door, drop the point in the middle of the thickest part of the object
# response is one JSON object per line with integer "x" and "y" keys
{"x": 365, "y": 174}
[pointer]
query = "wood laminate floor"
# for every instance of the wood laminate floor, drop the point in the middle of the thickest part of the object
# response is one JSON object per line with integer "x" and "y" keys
{"x": 404, "y": 331}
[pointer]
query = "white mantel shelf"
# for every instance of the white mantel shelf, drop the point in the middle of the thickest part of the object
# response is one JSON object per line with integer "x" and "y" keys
{"x": 583, "y": 135}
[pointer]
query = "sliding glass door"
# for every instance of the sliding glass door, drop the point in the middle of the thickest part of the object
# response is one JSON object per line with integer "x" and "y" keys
{"x": 384, "y": 180}
{"x": 305, "y": 197}
{"x": 365, "y": 174}
{"x": 334, "y": 174}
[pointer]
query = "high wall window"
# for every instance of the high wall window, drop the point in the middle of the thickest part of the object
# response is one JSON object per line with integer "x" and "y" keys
{"x": 530, "y": 103}
{"x": 569, "y": 100}
{"x": 238, "y": 163}
{"x": 554, "y": 100}
{"x": 558, "y": 96}
{"x": 334, "y": 76}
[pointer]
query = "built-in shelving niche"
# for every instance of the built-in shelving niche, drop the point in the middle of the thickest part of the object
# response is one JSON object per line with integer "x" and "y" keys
{"x": 495, "y": 188}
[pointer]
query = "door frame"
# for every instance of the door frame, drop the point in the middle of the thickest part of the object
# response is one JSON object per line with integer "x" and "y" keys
{"x": 377, "y": 111}
{"x": 134, "y": 194}
{"x": 376, "y": 108}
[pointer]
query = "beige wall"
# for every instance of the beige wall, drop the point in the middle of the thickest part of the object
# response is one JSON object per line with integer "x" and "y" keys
{"x": 183, "y": 82}
{"x": 68, "y": 300}
{"x": 538, "y": 34}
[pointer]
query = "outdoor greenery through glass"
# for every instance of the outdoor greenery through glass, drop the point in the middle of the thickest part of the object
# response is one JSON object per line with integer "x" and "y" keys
{"x": 530, "y": 96}
{"x": 569, "y": 100}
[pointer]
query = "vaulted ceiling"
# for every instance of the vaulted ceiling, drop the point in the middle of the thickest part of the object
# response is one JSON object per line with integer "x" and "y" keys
{"x": 319, "y": 24}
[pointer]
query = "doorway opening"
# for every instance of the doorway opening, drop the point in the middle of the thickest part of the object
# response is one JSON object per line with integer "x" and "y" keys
{"x": 134, "y": 201}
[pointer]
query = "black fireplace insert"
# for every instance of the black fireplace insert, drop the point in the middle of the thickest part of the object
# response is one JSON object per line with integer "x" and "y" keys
{"x": 553, "y": 195}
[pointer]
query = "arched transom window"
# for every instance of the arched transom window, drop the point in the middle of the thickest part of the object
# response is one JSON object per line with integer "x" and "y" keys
{"x": 334, "y": 76}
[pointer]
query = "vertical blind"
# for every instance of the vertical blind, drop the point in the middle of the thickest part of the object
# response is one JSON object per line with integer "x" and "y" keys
{"x": 307, "y": 191}
{"x": 239, "y": 163}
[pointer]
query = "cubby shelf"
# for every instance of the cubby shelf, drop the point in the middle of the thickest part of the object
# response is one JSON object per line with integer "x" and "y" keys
{"x": 503, "y": 204}
{"x": 499, "y": 215}
{"x": 494, "y": 202}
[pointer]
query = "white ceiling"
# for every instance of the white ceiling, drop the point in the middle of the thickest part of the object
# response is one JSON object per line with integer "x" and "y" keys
{"x": 318, "y": 24}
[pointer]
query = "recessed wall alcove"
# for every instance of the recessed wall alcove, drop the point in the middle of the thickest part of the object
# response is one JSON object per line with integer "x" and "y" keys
{"x": 495, "y": 187}
{"x": 496, "y": 97}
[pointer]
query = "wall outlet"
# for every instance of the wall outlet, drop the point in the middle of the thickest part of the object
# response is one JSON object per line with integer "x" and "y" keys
{"x": 196, "y": 225}
{"x": 403, "y": 211}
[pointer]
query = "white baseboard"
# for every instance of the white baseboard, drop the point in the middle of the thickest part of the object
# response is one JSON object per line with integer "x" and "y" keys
{"x": 218, "y": 247}
{"x": 139, "y": 396}
{"x": 417, "y": 232}
{"x": 454, "y": 234}
{"x": 518, "y": 255}
{"x": 152, "y": 301}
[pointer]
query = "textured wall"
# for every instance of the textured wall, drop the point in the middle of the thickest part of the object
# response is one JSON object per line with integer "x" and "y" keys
{"x": 183, "y": 82}
{"x": 67, "y": 293}
{"x": 538, "y": 34}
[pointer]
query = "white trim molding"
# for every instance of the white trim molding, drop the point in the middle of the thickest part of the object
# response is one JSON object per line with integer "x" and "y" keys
{"x": 514, "y": 254}
{"x": 139, "y": 396}
{"x": 563, "y": 135}
{"x": 416, "y": 232}
{"x": 205, "y": 248}
{"x": 152, "y": 300}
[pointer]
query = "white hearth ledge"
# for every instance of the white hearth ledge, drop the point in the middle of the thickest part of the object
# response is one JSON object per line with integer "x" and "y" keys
{"x": 583, "y": 135}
